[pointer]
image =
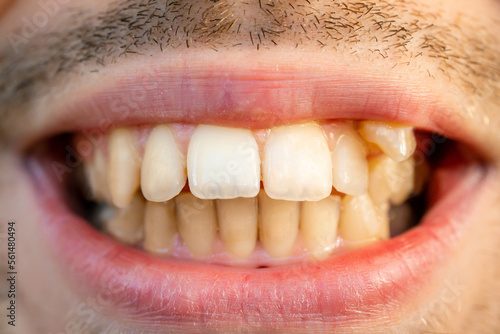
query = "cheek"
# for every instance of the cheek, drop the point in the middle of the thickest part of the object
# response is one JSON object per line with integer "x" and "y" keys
{"x": 39, "y": 282}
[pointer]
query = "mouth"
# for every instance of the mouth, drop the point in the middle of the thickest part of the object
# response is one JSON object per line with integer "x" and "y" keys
{"x": 240, "y": 200}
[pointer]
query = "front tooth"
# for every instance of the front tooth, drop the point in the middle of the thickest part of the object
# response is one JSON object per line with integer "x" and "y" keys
{"x": 297, "y": 164}
{"x": 197, "y": 224}
{"x": 398, "y": 142}
{"x": 163, "y": 168}
{"x": 350, "y": 168}
{"x": 238, "y": 225}
{"x": 123, "y": 168}
{"x": 96, "y": 176}
{"x": 223, "y": 163}
{"x": 361, "y": 222}
{"x": 127, "y": 224}
{"x": 278, "y": 225}
{"x": 318, "y": 224}
{"x": 159, "y": 227}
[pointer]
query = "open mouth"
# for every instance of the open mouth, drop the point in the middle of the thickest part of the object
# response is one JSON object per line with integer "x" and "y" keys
{"x": 197, "y": 220}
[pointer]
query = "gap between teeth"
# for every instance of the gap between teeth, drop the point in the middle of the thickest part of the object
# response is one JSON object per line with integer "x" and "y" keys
{"x": 319, "y": 182}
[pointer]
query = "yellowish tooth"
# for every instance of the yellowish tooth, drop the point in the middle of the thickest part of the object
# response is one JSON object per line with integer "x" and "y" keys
{"x": 223, "y": 163}
{"x": 96, "y": 176}
{"x": 127, "y": 225}
{"x": 163, "y": 172}
{"x": 318, "y": 224}
{"x": 278, "y": 225}
{"x": 397, "y": 141}
{"x": 349, "y": 165}
{"x": 159, "y": 227}
{"x": 361, "y": 222}
{"x": 238, "y": 219}
{"x": 390, "y": 180}
{"x": 380, "y": 170}
{"x": 123, "y": 168}
{"x": 297, "y": 164}
{"x": 403, "y": 181}
{"x": 196, "y": 223}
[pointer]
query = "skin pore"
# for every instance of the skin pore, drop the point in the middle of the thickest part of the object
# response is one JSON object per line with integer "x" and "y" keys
{"x": 448, "y": 47}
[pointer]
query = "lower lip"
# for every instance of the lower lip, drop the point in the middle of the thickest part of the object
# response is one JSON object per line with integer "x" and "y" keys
{"x": 346, "y": 289}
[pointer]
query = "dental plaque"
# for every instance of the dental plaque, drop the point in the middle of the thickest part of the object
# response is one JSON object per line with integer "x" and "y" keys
{"x": 255, "y": 198}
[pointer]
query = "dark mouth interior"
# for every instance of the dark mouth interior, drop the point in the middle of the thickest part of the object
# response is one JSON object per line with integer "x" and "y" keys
{"x": 403, "y": 217}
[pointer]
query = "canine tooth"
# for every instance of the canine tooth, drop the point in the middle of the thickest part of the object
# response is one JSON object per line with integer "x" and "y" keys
{"x": 398, "y": 142}
{"x": 318, "y": 224}
{"x": 361, "y": 222}
{"x": 163, "y": 167}
{"x": 223, "y": 163}
{"x": 123, "y": 168}
{"x": 349, "y": 165}
{"x": 159, "y": 227}
{"x": 127, "y": 224}
{"x": 196, "y": 223}
{"x": 238, "y": 225}
{"x": 278, "y": 225}
{"x": 96, "y": 176}
{"x": 297, "y": 164}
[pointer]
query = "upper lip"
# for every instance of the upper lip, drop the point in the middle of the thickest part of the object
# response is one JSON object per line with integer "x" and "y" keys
{"x": 241, "y": 96}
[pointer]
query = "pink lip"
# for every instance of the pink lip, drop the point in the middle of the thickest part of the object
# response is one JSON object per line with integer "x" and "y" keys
{"x": 368, "y": 283}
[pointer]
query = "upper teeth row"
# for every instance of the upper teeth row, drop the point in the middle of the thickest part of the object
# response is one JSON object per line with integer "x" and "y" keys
{"x": 297, "y": 162}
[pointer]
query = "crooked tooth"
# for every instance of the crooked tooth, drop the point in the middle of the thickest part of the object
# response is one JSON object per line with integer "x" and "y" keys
{"x": 297, "y": 164}
{"x": 238, "y": 225}
{"x": 350, "y": 168}
{"x": 361, "y": 222}
{"x": 318, "y": 225}
{"x": 223, "y": 163}
{"x": 163, "y": 168}
{"x": 398, "y": 142}
{"x": 96, "y": 176}
{"x": 197, "y": 223}
{"x": 127, "y": 223}
{"x": 123, "y": 168}
{"x": 278, "y": 225}
{"x": 159, "y": 227}
{"x": 389, "y": 180}
{"x": 403, "y": 181}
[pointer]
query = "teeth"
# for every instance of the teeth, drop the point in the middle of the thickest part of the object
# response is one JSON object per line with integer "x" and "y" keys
{"x": 197, "y": 224}
{"x": 278, "y": 225}
{"x": 124, "y": 167}
{"x": 361, "y": 222}
{"x": 163, "y": 168}
{"x": 159, "y": 227}
{"x": 238, "y": 225}
{"x": 223, "y": 163}
{"x": 127, "y": 223}
{"x": 403, "y": 181}
{"x": 390, "y": 180}
{"x": 350, "y": 168}
{"x": 398, "y": 142}
{"x": 96, "y": 175}
{"x": 297, "y": 164}
{"x": 318, "y": 224}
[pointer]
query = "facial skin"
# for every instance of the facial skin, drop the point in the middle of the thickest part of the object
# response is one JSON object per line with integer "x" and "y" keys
{"x": 448, "y": 48}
